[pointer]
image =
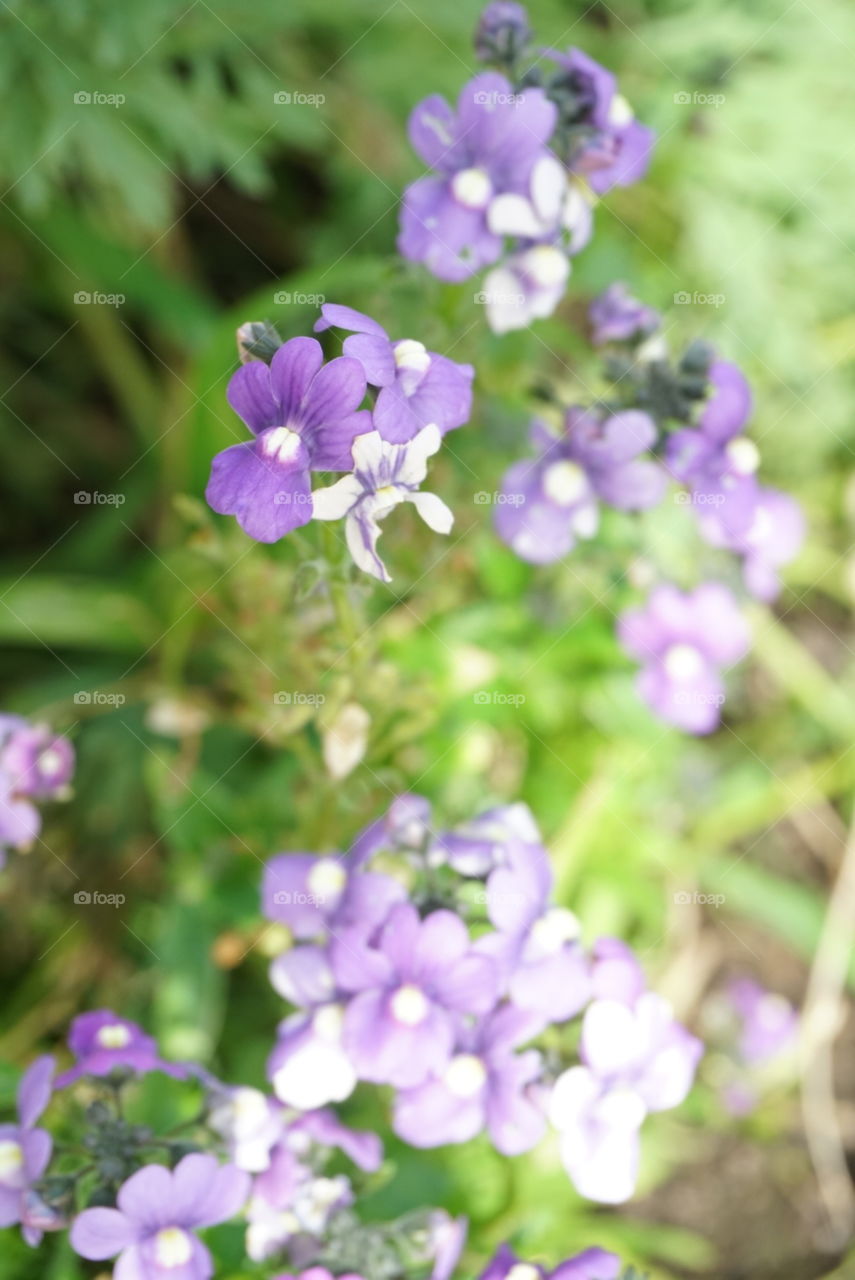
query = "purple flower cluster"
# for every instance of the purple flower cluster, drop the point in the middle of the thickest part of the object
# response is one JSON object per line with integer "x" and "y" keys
{"x": 35, "y": 764}
{"x": 514, "y": 170}
{"x": 397, "y": 993}
{"x": 306, "y": 416}
{"x": 593, "y": 1264}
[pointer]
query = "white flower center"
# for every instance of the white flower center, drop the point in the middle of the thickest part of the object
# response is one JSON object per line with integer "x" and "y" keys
{"x": 472, "y": 188}
{"x": 554, "y": 928}
{"x": 328, "y": 1022}
{"x": 280, "y": 444}
{"x": 465, "y": 1075}
{"x": 412, "y": 355}
{"x": 11, "y": 1160}
{"x": 50, "y": 761}
{"x": 172, "y": 1247}
{"x": 114, "y": 1036}
{"x": 620, "y": 112}
{"x": 546, "y": 265}
{"x": 326, "y": 879}
{"x": 250, "y": 1107}
{"x": 565, "y": 483}
{"x": 683, "y": 662}
{"x": 743, "y": 455}
{"x": 523, "y": 1271}
{"x": 409, "y": 1006}
{"x": 388, "y": 494}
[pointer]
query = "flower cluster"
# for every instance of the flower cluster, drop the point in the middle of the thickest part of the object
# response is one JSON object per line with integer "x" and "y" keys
{"x": 661, "y": 423}
{"x": 756, "y": 1032}
{"x": 438, "y": 975}
{"x": 35, "y": 764}
{"x": 306, "y": 416}
{"x": 515, "y": 169}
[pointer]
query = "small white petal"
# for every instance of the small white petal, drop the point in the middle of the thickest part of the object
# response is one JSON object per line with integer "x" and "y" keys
{"x": 548, "y": 188}
{"x": 336, "y": 500}
{"x": 512, "y": 215}
{"x": 368, "y": 451}
{"x": 413, "y": 469}
{"x": 433, "y": 511}
{"x": 362, "y": 532}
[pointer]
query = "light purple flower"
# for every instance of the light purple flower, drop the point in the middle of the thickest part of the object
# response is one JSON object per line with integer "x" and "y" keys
{"x": 37, "y": 762}
{"x": 618, "y": 317}
{"x": 249, "y": 1121}
{"x": 304, "y": 416}
{"x": 310, "y": 1065}
{"x": 384, "y": 476}
{"x": 316, "y": 896}
{"x": 101, "y": 1040}
{"x": 615, "y": 972}
{"x": 484, "y": 149}
{"x": 636, "y": 1060}
{"x": 158, "y": 1212}
{"x": 593, "y": 1264}
{"x": 399, "y": 1026}
{"x": 25, "y": 1151}
{"x": 484, "y": 1086}
{"x": 502, "y": 32}
{"x": 768, "y": 1021}
{"x": 772, "y": 539}
{"x": 404, "y": 828}
{"x": 477, "y": 847}
{"x": 445, "y": 1243}
{"x": 417, "y": 386}
{"x": 318, "y": 1273}
{"x": 536, "y": 945}
{"x": 683, "y": 641}
{"x": 608, "y": 145}
{"x": 550, "y": 502}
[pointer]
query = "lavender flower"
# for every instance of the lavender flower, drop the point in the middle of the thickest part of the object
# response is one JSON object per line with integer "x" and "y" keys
{"x": 615, "y": 972}
{"x": 310, "y": 1065}
{"x": 417, "y": 386}
{"x": 768, "y": 1021}
{"x": 404, "y": 828}
{"x": 484, "y": 1086}
{"x": 250, "y": 1123}
{"x": 408, "y": 988}
{"x": 770, "y": 541}
{"x": 682, "y": 641}
{"x": 101, "y": 1040}
{"x": 604, "y": 141}
{"x": 304, "y": 416}
{"x": 637, "y": 1059}
{"x": 484, "y": 149}
{"x": 550, "y": 502}
{"x": 478, "y": 847}
{"x": 502, "y": 33}
{"x": 593, "y": 1264}
{"x": 618, "y": 317}
{"x": 158, "y": 1212}
{"x": 25, "y": 1150}
{"x": 384, "y": 476}
{"x": 536, "y": 946}
{"x": 317, "y": 896}
{"x": 35, "y": 764}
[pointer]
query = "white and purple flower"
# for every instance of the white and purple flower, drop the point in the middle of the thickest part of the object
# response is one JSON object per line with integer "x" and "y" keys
{"x": 101, "y": 1041}
{"x": 25, "y": 1150}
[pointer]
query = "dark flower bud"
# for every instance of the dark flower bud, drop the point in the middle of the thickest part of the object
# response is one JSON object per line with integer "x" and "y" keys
{"x": 257, "y": 340}
{"x": 502, "y": 33}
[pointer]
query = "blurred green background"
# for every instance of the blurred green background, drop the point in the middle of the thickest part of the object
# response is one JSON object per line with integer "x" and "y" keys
{"x": 188, "y": 196}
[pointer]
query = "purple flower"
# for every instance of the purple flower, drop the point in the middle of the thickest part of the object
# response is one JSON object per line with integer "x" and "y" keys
{"x": 249, "y": 1121}
{"x": 484, "y": 1085}
{"x": 310, "y": 1065}
{"x": 536, "y": 945}
{"x": 37, "y": 762}
{"x": 101, "y": 1040}
{"x": 404, "y": 828}
{"x": 593, "y": 1264}
{"x": 606, "y": 142}
{"x": 318, "y": 1273}
{"x": 487, "y": 147}
{"x": 399, "y": 1027}
{"x": 550, "y": 502}
{"x": 303, "y": 975}
{"x": 384, "y": 476}
{"x": 769, "y": 1021}
{"x": 158, "y": 1211}
{"x": 770, "y": 541}
{"x": 476, "y": 848}
{"x": 615, "y": 972}
{"x": 445, "y": 1243}
{"x": 324, "y": 1129}
{"x": 502, "y": 32}
{"x": 618, "y": 317}
{"x": 636, "y": 1059}
{"x": 682, "y": 641}
{"x": 304, "y": 416}
{"x": 417, "y": 386}
{"x": 25, "y": 1150}
{"x": 317, "y": 896}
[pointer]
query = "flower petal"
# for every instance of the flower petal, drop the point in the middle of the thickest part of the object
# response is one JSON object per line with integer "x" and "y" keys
{"x": 102, "y": 1233}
